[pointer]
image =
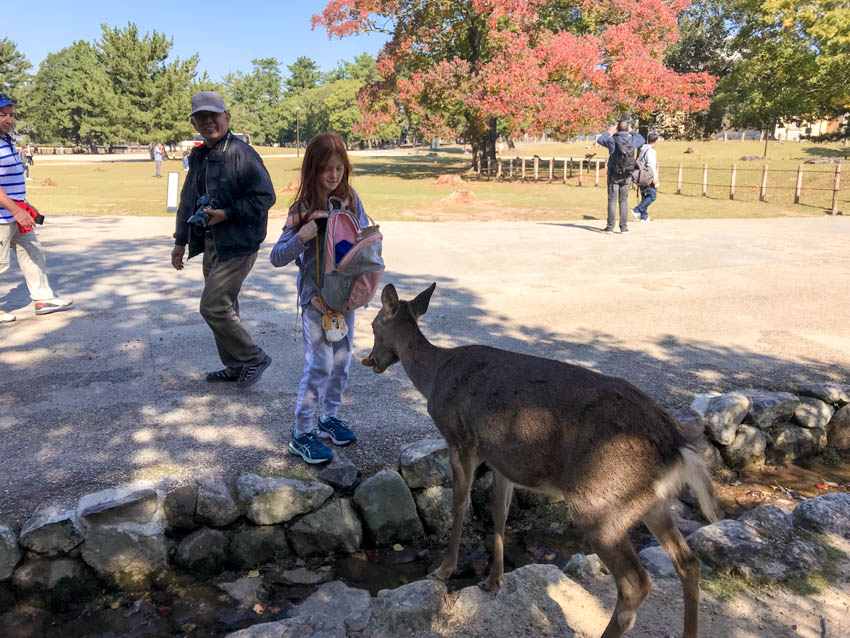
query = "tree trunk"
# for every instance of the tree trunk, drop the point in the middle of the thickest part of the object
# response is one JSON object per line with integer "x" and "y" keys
{"x": 484, "y": 146}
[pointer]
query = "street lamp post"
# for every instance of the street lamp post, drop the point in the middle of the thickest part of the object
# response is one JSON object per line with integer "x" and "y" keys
{"x": 297, "y": 133}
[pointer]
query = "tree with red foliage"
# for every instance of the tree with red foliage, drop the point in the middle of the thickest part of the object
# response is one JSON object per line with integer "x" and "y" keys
{"x": 466, "y": 67}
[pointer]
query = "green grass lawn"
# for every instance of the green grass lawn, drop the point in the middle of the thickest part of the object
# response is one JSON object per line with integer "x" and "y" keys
{"x": 402, "y": 187}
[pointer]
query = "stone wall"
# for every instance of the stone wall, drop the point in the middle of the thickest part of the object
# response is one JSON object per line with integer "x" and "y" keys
{"x": 747, "y": 428}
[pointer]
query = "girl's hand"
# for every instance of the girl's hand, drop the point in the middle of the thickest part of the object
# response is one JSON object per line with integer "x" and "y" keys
{"x": 307, "y": 232}
{"x": 319, "y": 305}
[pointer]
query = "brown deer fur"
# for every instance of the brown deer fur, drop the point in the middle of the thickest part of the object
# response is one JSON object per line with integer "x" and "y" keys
{"x": 614, "y": 453}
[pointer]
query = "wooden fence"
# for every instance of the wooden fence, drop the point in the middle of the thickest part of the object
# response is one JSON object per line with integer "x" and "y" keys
{"x": 817, "y": 186}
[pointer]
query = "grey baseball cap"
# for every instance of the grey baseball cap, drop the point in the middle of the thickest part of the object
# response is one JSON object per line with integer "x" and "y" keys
{"x": 208, "y": 101}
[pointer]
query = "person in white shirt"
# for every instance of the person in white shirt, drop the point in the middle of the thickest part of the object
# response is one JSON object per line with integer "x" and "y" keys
{"x": 647, "y": 157}
{"x": 17, "y": 219}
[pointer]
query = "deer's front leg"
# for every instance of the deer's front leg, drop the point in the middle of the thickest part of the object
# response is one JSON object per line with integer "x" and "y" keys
{"x": 463, "y": 464}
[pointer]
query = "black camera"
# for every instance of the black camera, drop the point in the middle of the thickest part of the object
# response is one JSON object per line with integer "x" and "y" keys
{"x": 201, "y": 217}
{"x": 39, "y": 219}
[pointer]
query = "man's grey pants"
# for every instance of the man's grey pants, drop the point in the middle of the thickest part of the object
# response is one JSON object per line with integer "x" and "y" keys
{"x": 618, "y": 192}
{"x": 220, "y": 307}
{"x": 30, "y": 259}
{"x": 325, "y": 369}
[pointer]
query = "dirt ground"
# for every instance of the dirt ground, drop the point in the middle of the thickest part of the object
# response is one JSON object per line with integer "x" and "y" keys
{"x": 758, "y": 612}
{"x": 113, "y": 389}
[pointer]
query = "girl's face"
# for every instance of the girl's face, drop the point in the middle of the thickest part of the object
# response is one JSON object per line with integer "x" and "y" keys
{"x": 331, "y": 173}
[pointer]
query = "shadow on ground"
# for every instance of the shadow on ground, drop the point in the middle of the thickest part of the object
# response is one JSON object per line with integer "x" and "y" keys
{"x": 113, "y": 390}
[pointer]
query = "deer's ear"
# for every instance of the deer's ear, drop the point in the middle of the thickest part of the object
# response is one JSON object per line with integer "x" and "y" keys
{"x": 389, "y": 297}
{"x": 420, "y": 304}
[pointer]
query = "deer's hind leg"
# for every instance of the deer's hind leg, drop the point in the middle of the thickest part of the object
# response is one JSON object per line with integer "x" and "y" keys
{"x": 463, "y": 464}
{"x": 660, "y": 523}
{"x": 633, "y": 583}
{"x": 503, "y": 489}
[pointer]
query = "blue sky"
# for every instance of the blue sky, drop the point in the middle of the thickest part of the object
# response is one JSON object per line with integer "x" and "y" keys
{"x": 226, "y": 35}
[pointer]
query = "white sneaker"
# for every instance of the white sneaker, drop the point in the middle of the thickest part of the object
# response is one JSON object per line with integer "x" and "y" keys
{"x": 646, "y": 219}
{"x": 56, "y": 304}
{"x": 6, "y": 317}
{"x": 635, "y": 213}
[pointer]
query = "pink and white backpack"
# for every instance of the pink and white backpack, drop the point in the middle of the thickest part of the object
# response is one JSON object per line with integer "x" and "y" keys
{"x": 349, "y": 265}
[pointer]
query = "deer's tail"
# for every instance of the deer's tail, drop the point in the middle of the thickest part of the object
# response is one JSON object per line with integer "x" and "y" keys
{"x": 690, "y": 470}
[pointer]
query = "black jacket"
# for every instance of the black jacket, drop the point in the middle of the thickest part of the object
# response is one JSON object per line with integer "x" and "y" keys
{"x": 241, "y": 185}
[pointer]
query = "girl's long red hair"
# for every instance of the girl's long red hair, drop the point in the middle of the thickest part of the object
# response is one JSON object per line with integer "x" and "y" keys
{"x": 316, "y": 156}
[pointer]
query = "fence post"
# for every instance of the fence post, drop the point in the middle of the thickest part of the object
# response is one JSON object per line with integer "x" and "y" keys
{"x": 511, "y": 169}
{"x": 523, "y": 169}
{"x": 536, "y": 167}
{"x": 704, "y": 180}
{"x": 679, "y": 181}
{"x": 489, "y": 168}
{"x": 742, "y": 135}
{"x": 564, "y": 179}
{"x": 499, "y": 169}
{"x": 835, "y": 188}
{"x": 732, "y": 182}
{"x": 763, "y": 192}
{"x": 551, "y": 170}
{"x": 799, "y": 188}
{"x": 581, "y": 172}
{"x": 596, "y": 183}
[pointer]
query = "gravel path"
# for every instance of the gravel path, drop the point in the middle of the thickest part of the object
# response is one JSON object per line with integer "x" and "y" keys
{"x": 112, "y": 390}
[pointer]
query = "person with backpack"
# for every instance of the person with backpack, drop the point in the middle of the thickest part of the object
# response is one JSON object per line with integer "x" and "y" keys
{"x": 328, "y": 334}
{"x": 621, "y": 143}
{"x": 647, "y": 177}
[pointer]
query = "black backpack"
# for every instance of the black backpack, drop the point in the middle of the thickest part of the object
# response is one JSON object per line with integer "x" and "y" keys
{"x": 623, "y": 158}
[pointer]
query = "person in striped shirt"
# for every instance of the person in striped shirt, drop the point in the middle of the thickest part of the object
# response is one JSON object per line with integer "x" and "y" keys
{"x": 16, "y": 223}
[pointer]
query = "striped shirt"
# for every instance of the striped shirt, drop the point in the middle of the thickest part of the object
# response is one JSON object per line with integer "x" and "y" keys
{"x": 11, "y": 176}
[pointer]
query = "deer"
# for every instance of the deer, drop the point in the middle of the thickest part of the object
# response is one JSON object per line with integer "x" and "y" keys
{"x": 615, "y": 455}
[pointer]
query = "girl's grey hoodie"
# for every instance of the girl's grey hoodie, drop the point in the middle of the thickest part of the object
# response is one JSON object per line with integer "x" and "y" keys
{"x": 289, "y": 247}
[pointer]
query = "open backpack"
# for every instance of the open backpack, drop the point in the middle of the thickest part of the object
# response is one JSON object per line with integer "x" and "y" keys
{"x": 348, "y": 260}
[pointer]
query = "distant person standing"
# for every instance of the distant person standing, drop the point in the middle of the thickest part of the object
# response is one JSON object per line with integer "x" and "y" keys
{"x": 648, "y": 159}
{"x": 157, "y": 158}
{"x": 17, "y": 219}
{"x": 24, "y": 164}
{"x": 29, "y": 153}
{"x": 239, "y": 193}
{"x": 621, "y": 143}
{"x": 185, "y": 160}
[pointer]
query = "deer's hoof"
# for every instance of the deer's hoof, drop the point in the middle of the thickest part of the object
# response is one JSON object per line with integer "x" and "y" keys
{"x": 491, "y": 584}
{"x": 440, "y": 574}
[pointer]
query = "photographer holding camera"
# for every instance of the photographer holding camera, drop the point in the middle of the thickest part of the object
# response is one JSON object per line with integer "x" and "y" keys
{"x": 17, "y": 219}
{"x": 223, "y": 214}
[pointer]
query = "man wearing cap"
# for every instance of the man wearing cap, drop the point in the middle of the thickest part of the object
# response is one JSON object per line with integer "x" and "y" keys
{"x": 233, "y": 176}
{"x": 17, "y": 218}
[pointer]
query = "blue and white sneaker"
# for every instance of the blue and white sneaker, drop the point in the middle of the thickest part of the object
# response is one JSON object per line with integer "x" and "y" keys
{"x": 310, "y": 448}
{"x": 335, "y": 430}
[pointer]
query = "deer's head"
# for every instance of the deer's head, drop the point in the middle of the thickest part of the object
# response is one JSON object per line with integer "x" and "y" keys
{"x": 393, "y": 321}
